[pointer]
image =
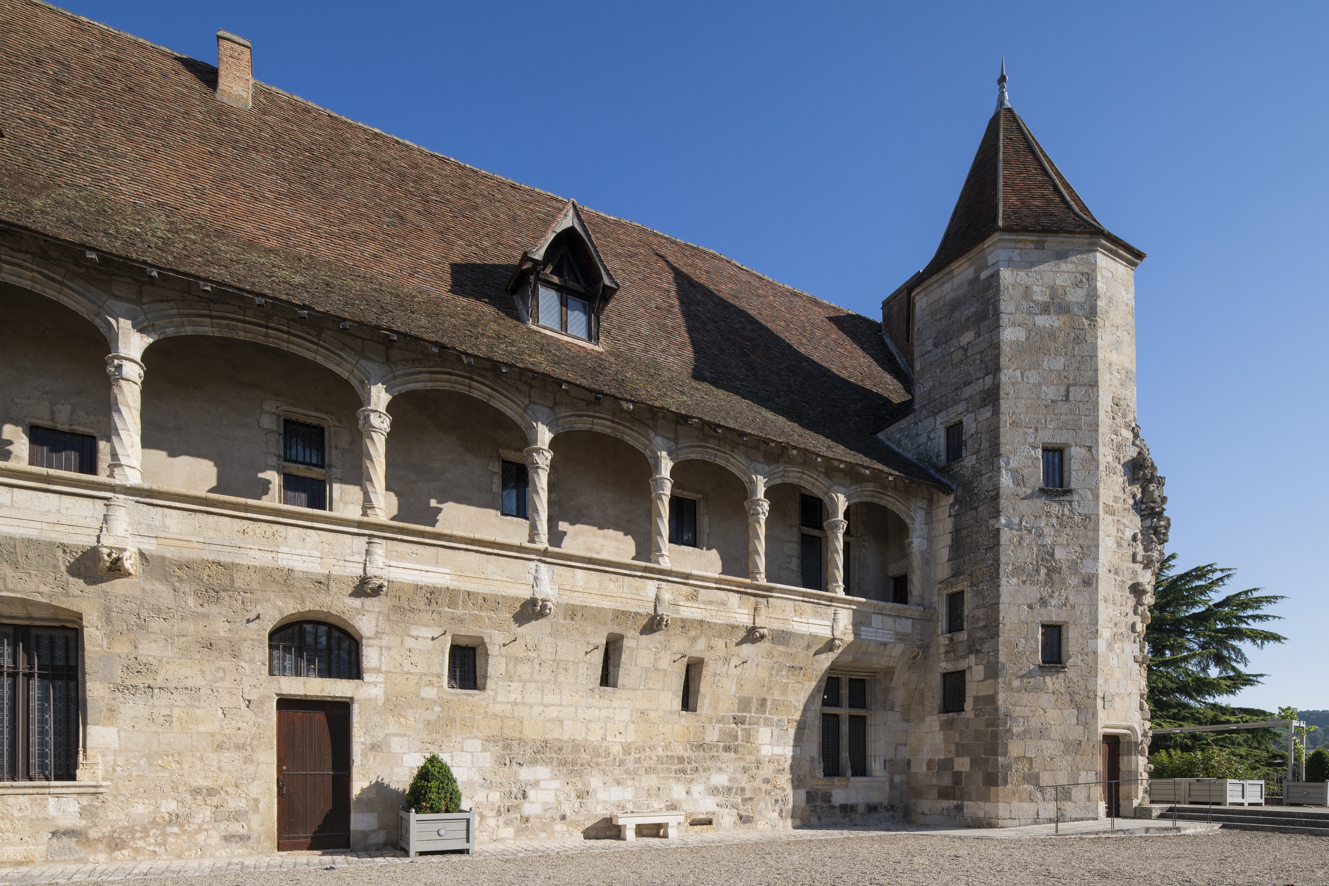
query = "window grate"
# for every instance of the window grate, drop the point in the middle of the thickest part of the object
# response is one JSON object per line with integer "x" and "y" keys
{"x": 1051, "y": 644}
{"x": 952, "y": 692}
{"x": 955, "y": 612}
{"x": 39, "y": 728}
{"x": 515, "y": 488}
{"x": 811, "y": 561}
{"x": 858, "y": 746}
{"x": 304, "y": 492}
{"x": 462, "y": 673}
{"x": 62, "y": 450}
{"x": 830, "y": 696}
{"x": 1054, "y": 475}
{"x": 304, "y": 443}
{"x": 809, "y": 512}
{"x": 682, "y": 521}
{"x": 858, "y": 693}
{"x": 313, "y": 649}
{"x": 830, "y": 745}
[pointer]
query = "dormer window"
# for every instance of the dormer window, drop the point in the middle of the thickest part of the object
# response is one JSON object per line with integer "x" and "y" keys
{"x": 562, "y": 285}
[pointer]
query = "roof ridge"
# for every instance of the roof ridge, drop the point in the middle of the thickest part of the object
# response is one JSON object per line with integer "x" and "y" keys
{"x": 1045, "y": 162}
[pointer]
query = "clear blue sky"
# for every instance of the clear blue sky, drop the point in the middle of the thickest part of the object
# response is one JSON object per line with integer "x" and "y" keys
{"x": 825, "y": 144}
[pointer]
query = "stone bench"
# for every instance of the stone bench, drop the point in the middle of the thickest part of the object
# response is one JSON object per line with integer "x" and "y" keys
{"x": 627, "y": 823}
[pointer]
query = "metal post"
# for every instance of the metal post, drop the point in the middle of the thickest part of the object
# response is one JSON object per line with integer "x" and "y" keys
{"x": 1291, "y": 755}
{"x": 1174, "y": 811}
{"x": 1112, "y": 802}
{"x": 1056, "y": 809}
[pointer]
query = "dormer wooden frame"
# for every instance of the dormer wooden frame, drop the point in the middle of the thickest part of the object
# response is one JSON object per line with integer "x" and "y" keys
{"x": 533, "y": 270}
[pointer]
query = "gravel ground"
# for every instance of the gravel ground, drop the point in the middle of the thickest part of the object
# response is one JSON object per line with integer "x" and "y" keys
{"x": 1241, "y": 858}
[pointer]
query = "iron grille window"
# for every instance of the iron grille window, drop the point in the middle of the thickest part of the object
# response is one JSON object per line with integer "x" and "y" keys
{"x": 955, "y": 612}
{"x": 1054, "y": 474}
{"x": 514, "y": 489}
{"x": 462, "y": 672}
{"x": 830, "y": 696}
{"x": 858, "y": 694}
{"x": 305, "y": 492}
{"x": 900, "y": 589}
{"x": 830, "y": 745}
{"x": 858, "y": 745}
{"x": 954, "y": 442}
{"x": 691, "y": 686}
{"x": 304, "y": 443}
{"x": 38, "y": 703}
{"x": 682, "y": 521}
{"x": 809, "y": 512}
{"x": 952, "y": 692}
{"x": 313, "y": 649}
{"x": 1051, "y": 645}
{"x": 62, "y": 450}
{"x": 811, "y": 561}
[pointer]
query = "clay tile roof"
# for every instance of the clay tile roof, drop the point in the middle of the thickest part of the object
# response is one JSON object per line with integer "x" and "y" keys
{"x": 114, "y": 144}
{"x": 1013, "y": 186}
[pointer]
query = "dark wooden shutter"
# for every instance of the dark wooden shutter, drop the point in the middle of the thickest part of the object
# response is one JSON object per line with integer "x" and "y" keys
{"x": 62, "y": 450}
{"x": 830, "y": 745}
{"x": 1051, "y": 644}
{"x": 313, "y": 775}
{"x": 304, "y": 492}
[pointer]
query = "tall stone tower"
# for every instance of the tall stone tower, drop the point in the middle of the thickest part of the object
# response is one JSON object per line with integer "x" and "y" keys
{"x": 1021, "y": 336}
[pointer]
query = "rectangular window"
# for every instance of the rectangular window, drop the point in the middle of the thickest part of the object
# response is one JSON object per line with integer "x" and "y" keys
{"x": 955, "y": 612}
{"x": 462, "y": 673}
{"x": 610, "y": 662}
{"x": 900, "y": 589}
{"x": 809, "y": 512}
{"x": 551, "y": 308}
{"x": 682, "y": 521}
{"x": 579, "y": 318}
{"x": 954, "y": 442}
{"x": 811, "y": 561}
{"x": 305, "y": 492}
{"x": 858, "y": 745}
{"x": 38, "y": 703}
{"x": 858, "y": 694}
{"x": 514, "y": 489}
{"x": 1051, "y": 645}
{"x": 1054, "y": 473}
{"x": 62, "y": 450}
{"x": 691, "y": 686}
{"x": 830, "y": 696}
{"x": 566, "y": 313}
{"x": 952, "y": 692}
{"x": 304, "y": 443}
{"x": 830, "y": 745}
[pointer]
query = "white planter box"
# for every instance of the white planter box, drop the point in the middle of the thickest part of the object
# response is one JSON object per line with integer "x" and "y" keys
{"x": 1306, "y": 793}
{"x": 1207, "y": 791}
{"x": 435, "y": 831}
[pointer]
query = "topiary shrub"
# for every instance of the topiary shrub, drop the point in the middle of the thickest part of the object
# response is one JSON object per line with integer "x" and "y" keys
{"x": 1317, "y": 765}
{"x": 434, "y": 789}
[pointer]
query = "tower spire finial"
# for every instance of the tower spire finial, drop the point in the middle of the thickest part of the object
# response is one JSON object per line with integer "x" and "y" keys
{"x": 1003, "y": 98}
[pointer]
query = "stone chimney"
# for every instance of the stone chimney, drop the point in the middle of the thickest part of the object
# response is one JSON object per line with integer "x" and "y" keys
{"x": 235, "y": 70}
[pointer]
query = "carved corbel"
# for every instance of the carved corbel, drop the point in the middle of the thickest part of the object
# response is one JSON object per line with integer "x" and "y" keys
{"x": 837, "y": 629}
{"x": 374, "y": 582}
{"x": 543, "y": 594}
{"x": 117, "y": 562}
{"x": 660, "y": 620}
{"x": 116, "y": 555}
{"x": 759, "y": 630}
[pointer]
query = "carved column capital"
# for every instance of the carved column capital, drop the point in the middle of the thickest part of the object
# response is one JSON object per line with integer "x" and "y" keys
{"x": 836, "y": 526}
{"x": 122, "y": 367}
{"x": 758, "y": 508}
{"x": 538, "y": 458}
{"x": 374, "y": 420}
{"x": 661, "y": 485}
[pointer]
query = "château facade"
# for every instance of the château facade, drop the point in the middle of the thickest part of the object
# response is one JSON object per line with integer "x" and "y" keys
{"x": 321, "y": 453}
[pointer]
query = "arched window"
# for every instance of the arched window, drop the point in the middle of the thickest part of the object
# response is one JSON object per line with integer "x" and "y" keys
{"x": 313, "y": 649}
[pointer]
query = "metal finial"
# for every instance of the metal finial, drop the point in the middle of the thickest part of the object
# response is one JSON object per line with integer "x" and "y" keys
{"x": 1003, "y": 98}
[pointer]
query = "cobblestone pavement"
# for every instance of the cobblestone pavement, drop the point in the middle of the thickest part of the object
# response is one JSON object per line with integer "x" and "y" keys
{"x": 901, "y": 855}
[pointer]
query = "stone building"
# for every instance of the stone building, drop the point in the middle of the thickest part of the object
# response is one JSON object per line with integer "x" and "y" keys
{"x": 321, "y": 452}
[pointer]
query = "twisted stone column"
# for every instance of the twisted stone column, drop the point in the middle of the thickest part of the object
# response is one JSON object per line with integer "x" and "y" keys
{"x": 126, "y": 374}
{"x": 537, "y": 484}
{"x": 835, "y": 528}
{"x": 758, "y": 510}
{"x": 374, "y": 426}
{"x": 661, "y": 486}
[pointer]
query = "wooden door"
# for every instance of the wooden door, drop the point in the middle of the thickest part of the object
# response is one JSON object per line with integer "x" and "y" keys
{"x": 313, "y": 774}
{"x": 1112, "y": 775}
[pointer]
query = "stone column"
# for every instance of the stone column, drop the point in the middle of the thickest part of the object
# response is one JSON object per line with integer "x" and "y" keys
{"x": 374, "y": 426}
{"x": 537, "y": 500}
{"x": 835, "y": 528}
{"x": 126, "y": 374}
{"x": 758, "y": 510}
{"x": 661, "y": 486}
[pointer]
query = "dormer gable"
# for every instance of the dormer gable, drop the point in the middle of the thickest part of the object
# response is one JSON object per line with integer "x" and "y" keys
{"x": 562, "y": 284}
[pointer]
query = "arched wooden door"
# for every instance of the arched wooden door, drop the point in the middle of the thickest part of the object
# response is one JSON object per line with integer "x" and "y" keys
{"x": 1112, "y": 775}
{"x": 313, "y": 774}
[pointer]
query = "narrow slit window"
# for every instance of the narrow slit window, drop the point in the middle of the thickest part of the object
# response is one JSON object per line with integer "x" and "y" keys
{"x": 62, "y": 450}
{"x": 611, "y": 661}
{"x": 514, "y": 489}
{"x": 830, "y": 745}
{"x": 955, "y": 612}
{"x": 900, "y": 589}
{"x": 462, "y": 672}
{"x": 954, "y": 442}
{"x": 1054, "y": 469}
{"x": 952, "y": 692}
{"x": 858, "y": 745}
{"x": 683, "y": 521}
{"x": 1051, "y": 645}
{"x": 691, "y": 686}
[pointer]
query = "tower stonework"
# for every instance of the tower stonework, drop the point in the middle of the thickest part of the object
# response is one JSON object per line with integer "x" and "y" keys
{"x": 1021, "y": 331}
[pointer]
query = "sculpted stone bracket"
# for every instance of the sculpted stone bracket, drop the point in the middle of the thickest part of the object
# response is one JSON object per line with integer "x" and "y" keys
{"x": 543, "y": 593}
{"x": 759, "y": 630}
{"x": 117, "y": 562}
{"x": 837, "y": 629}
{"x": 116, "y": 555}
{"x": 374, "y": 582}
{"x": 660, "y": 620}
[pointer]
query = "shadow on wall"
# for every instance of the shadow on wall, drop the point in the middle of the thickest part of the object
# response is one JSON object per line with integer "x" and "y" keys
{"x": 722, "y": 333}
{"x": 384, "y": 799}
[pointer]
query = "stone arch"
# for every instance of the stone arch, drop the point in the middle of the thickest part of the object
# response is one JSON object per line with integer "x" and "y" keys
{"x": 74, "y": 294}
{"x": 424, "y": 379}
{"x": 323, "y": 615}
{"x": 802, "y": 477}
{"x": 324, "y": 350}
{"x": 707, "y": 452}
{"x": 906, "y": 510}
{"x": 38, "y": 611}
{"x": 590, "y": 421}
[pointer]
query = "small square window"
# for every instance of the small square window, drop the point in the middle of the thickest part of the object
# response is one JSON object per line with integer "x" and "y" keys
{"x": 954, "y": 442}
{"x": 900, "y": 589}
{"x": 304, "y": 492}
{"x": 955, "y": 612}
{"x": 514, "y": 489}
{"x": 682, "y": 521}
{"x": 1050, "y": 653}
{"x": 691, "y": 685}
{"x": 1054, "y": 473}
{"x": 952, "y": 692}
{"x": 303, "y": 443}
{"x": 62, "y": 450}
{"x": 462, "y": 673}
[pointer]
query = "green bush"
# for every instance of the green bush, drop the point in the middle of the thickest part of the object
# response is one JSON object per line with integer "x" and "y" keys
{"x": 1203, "y": 763}
{"x": 1317, "y": 765}
{"x": 434, "y": 789}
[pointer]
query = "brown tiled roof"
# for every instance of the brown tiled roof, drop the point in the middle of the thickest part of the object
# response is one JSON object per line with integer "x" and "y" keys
{"x": 1013, "y": 186}
{"x": 121, "y": 146}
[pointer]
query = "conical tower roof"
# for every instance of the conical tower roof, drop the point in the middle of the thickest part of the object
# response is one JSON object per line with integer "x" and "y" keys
{"x": 1013, "y": 186}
